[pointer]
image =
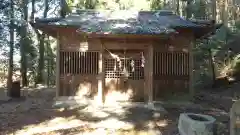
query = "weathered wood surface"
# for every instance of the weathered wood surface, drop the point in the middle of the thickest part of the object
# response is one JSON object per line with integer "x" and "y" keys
{"x": 166, "y": 70}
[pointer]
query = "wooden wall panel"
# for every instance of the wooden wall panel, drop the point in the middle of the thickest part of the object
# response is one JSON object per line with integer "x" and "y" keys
{"x": 78, "y": 85}
{"x": 129, "y": 87}
{"x": 162, "y": 82}
{"x": 94, "y": 44}
{"x": 178, "y": 42}
{"x": 75, "y": 44}
{"x": 172, "y": 69}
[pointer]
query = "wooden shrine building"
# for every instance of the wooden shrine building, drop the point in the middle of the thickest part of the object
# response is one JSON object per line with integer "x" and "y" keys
{"x": 143, "y": 54}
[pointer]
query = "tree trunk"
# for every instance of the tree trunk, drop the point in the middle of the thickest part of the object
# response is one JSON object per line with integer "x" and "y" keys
{"x": 212, "y": 65}
{"x": 23, "y": 44}
{"x": 214, "y": 10}
{"x": 11, "y": 49}
{"x": 52, "y": 64}
{"x": 33, "y": 11}
{"x": 46, "y": 9}
{"x": 40, "y": 79}
{"x": 225, "y": 13}
{"x": 64, "y": 8}
{"x": 188, "y": 11}
{"x": 41, "y": 60}
{"x": 36, "y": 31}
{"x": 178, "y": 7}
{"x": 48, "y": 47}
{"x": 164, "y": 4}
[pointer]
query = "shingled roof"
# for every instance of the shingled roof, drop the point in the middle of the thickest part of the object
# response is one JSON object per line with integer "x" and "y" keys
{"x": 122, "y": 22}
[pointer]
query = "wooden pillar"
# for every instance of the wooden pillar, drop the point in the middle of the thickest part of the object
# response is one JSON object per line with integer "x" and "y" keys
{"x": 101, "y": 75}
{"x": 58, "y": 66}
{"x": 191, "y": 68}
{"x": 148, "y": 75}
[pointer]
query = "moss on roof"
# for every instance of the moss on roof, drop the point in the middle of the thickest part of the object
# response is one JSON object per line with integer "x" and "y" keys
{"x": 122, "y": 22}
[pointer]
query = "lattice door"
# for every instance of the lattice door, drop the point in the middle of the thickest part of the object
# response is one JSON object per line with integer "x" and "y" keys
{"x": 128, "y": 67}
{"x": 115, "y": 69}
{"x": 125, "y": 72}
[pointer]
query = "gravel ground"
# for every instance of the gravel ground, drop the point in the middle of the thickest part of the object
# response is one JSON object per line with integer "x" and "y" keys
{"x": 35, "y": 115}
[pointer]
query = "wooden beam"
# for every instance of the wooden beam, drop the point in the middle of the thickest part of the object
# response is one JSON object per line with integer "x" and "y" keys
{"x": 101, "y": 75}
{"x": 58, "y": 67}
{"x": 126, "y": 36}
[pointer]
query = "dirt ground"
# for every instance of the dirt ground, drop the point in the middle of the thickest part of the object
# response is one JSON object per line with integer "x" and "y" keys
{"x": 35, "y": 115}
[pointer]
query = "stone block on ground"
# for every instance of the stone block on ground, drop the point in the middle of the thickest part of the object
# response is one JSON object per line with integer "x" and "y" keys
{"x": 235, "y": 118}
{"x": 195, "y": 124}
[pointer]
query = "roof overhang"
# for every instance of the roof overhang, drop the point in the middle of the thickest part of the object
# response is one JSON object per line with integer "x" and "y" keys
{"x": 208, "y": 28}
{"x": 51, "y": 27}
{"x": 53, "y": 30}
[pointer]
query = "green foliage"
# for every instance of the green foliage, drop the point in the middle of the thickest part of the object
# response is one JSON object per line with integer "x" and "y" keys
{"x": 83, "y": 4}
{"x": 236, "y": 67}
{"x": 157, "y": 4}
{"x": 199, "y": 9}
{"x": 202, "y": 66}
{"x": 226, "y": 62}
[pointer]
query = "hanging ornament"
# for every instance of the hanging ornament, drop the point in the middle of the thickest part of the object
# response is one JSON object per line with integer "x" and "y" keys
{"x": 114, "y": 55}
{"x": 142, "y": 60}
{"x": 115, "y": 65}
{"x": 119, "y": 64}
{"x": 117, "y": 58}
{"x": 132, "y": 65}
{"x": 125, "y": 72}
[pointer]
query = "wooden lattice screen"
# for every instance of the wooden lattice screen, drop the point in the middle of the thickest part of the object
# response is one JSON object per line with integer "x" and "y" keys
{"x": 79, "y": 62}
{"x": 171, "y": 73}
{"x": 113, "y": 70}
{"x": 171, "y": 64}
